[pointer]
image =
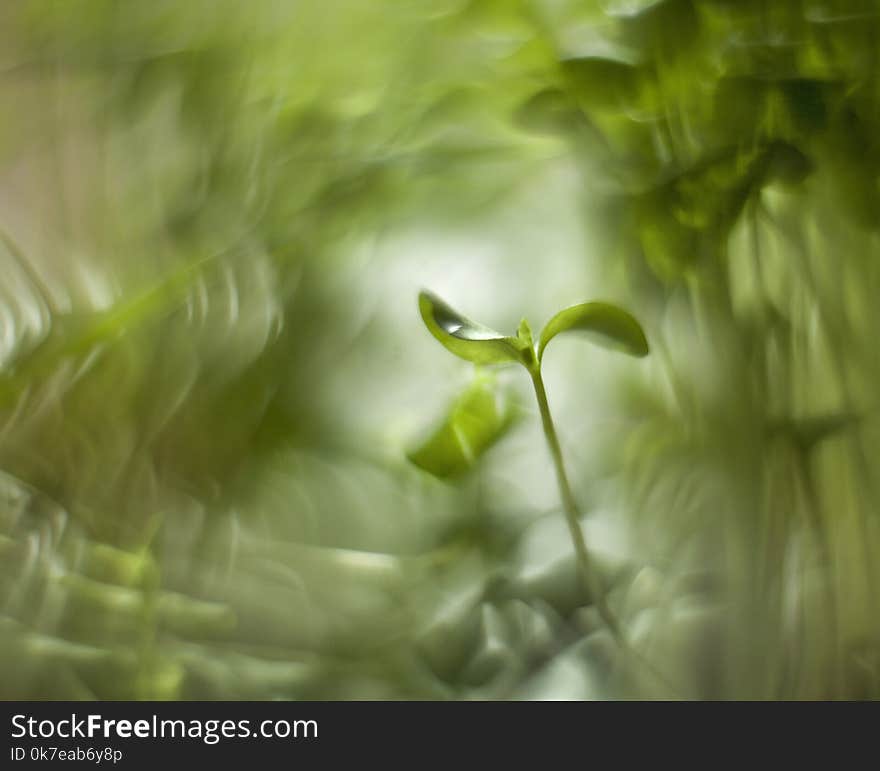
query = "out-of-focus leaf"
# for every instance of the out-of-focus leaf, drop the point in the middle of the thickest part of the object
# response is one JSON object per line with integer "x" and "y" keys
{"x": 477, "y": 419}
{"x": 629, "y": 9}
{"x": 670, "y": 246}
{"x": 742, "y": 100}
{"x": 602, "y": 83}
{"x": 852, "y": 155}
{"x": 496, "y": 18}
{"x": 608, "y": 325}
{"x": 806, "y": 433}
{"x": 549, "y": 111}
{"x": 671, "y": 25}
{"x": 692, "y": 212}
{"x": 806, "y": 100}
{"x": 465, "y": 338}
{"x": 713, "y": 191}
{"x": 786, "y": 164}
{"x": 111, "y": 565}
{"x": 740, "y": 104}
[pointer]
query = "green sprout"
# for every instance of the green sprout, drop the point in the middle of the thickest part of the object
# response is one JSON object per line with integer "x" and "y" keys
{"x": 607, "y": 324}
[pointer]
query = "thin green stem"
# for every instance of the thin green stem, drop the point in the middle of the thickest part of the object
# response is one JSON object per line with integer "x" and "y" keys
{"x": 572, "y": 513}
{"x": 573, "y": 519}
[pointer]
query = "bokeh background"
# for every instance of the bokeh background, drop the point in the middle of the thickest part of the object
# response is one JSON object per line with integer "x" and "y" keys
{"x": 215, "y": 217}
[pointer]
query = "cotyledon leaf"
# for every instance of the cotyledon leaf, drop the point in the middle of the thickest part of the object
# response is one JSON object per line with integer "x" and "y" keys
{"x": 465, "y": 338}
{"x": 608, "y": 325}
{"x": 477, "y": 419}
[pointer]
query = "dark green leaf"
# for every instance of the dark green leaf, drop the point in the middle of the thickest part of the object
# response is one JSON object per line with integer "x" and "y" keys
{"x": 668, "y": 25}
{"x": 807, "y": 102}
{"x": 602, "y": 83}
{"x": 463, "y": 337}
{"x": 609, "y": 326}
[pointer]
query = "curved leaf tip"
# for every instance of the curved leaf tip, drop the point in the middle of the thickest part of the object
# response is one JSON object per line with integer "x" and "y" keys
{"x": 465, "y": 338}
{"x": 608, "y": 325}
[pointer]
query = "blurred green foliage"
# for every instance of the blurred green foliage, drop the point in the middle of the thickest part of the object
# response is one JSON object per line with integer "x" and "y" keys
{"x": 477, "y": 419}
{"x": 211, "y": 364}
